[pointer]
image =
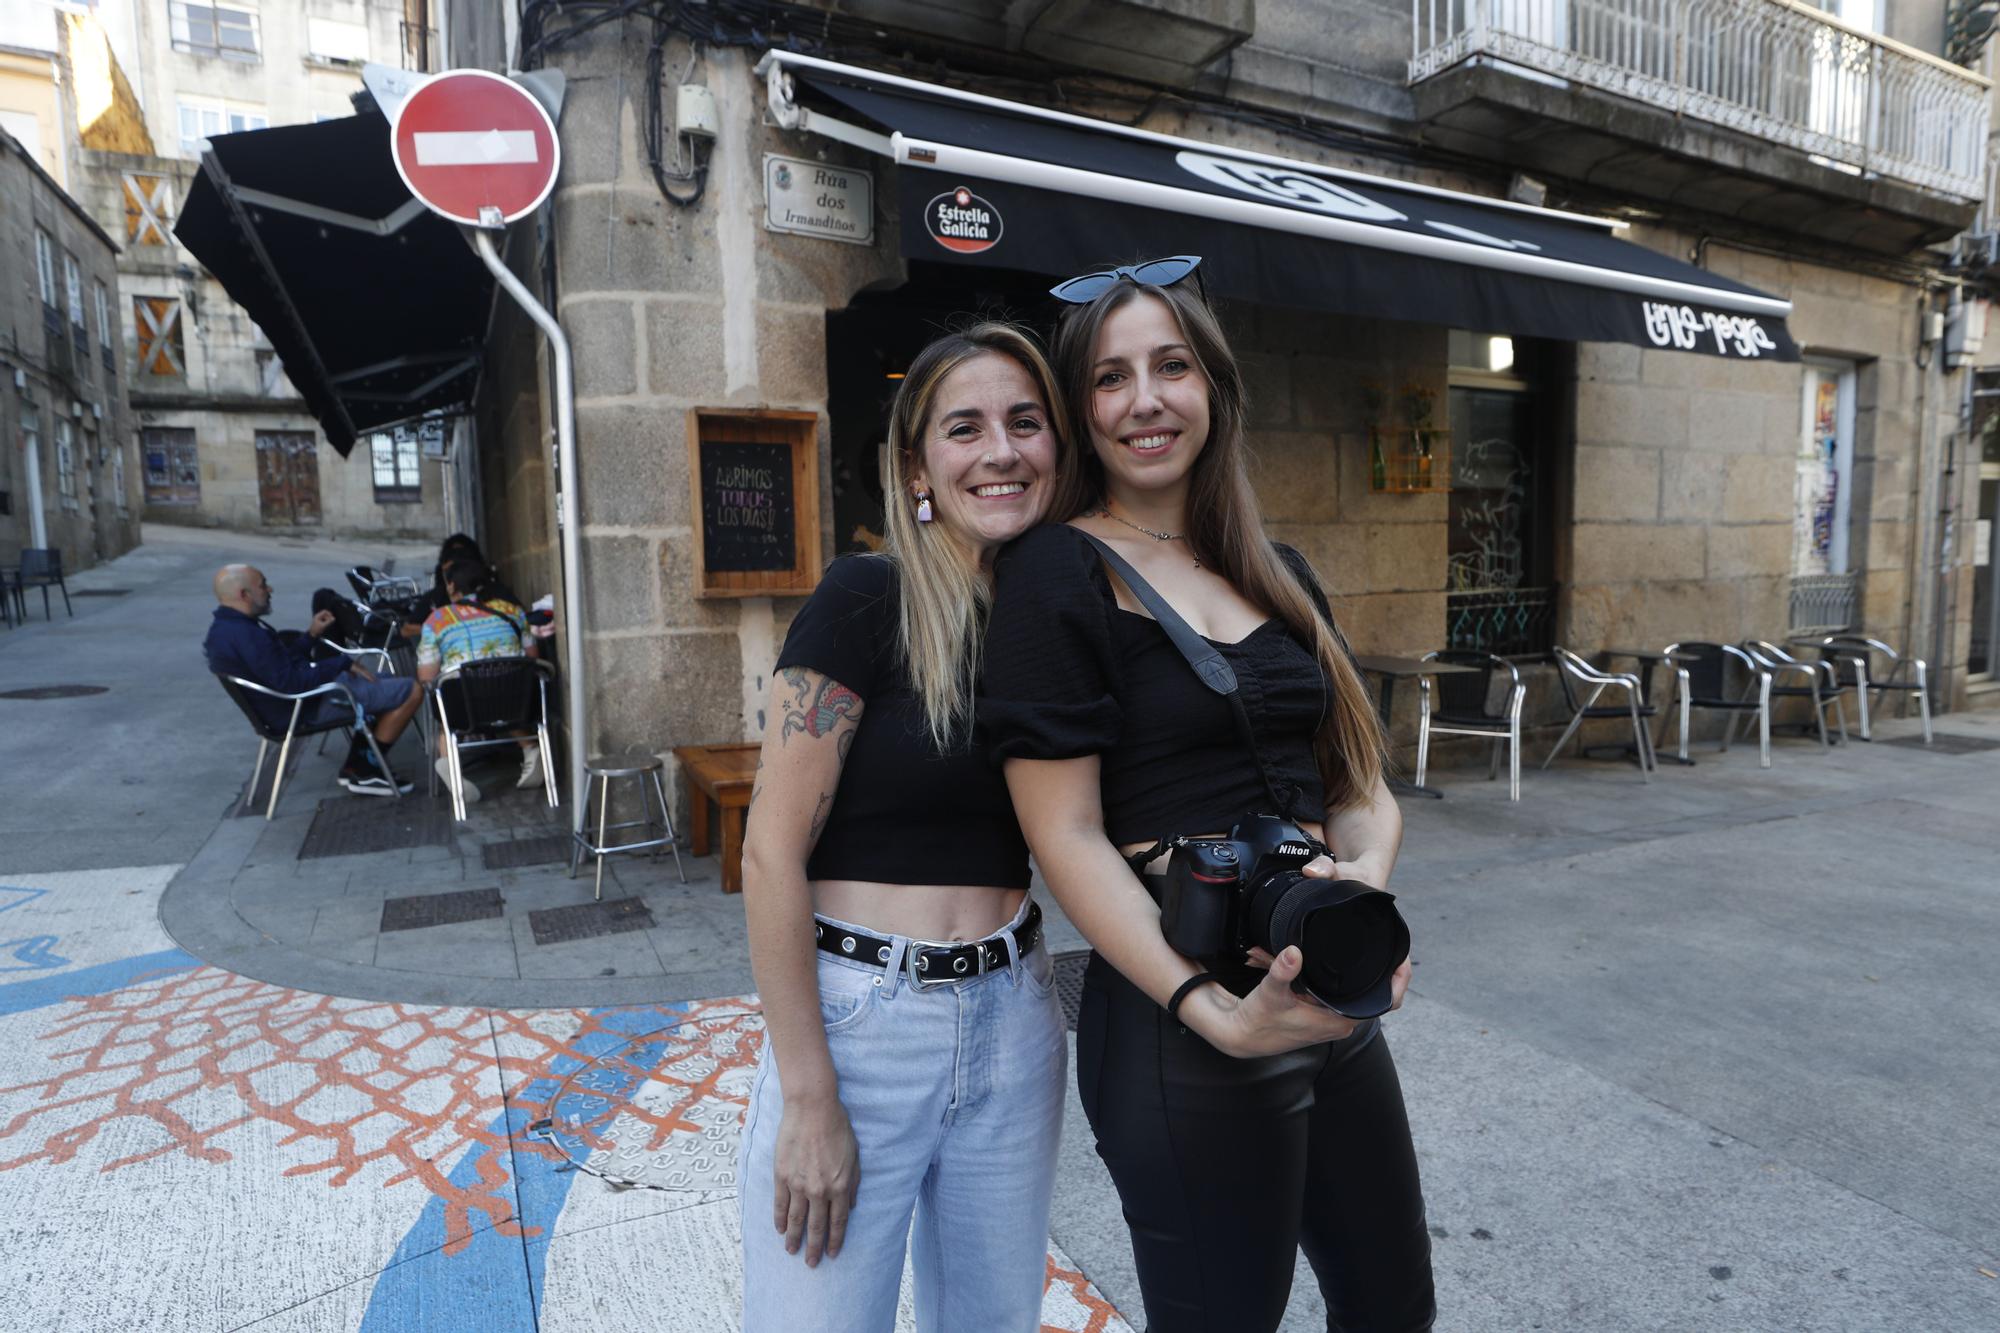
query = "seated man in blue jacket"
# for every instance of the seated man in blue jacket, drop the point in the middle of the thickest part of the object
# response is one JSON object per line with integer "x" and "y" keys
{"x": 239, "y": 643}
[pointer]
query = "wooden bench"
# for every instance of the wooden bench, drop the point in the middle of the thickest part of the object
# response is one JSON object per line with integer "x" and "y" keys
{"x": 724, "y": 775}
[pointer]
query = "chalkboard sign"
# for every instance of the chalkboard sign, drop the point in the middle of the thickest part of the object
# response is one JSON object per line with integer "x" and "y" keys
{"x": 746, "y": 507}
{"x": 755, "y": 475}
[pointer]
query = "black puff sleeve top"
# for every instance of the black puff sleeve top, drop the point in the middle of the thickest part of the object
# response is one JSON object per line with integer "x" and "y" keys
{"x": 1069, "y": 672}
{"x": 903, "y": 813}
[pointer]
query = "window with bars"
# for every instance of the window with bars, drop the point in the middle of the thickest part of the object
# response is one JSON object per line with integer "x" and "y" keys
{"x": 65, "y": 463}
{"x": 106, "y": 344}
{"x": 158, "y": 321}
{"x": 228, "y": 31}
{"x": 45, "y": 267}
{"x": 149, "y": 200}
{"x": 398, "y": 467}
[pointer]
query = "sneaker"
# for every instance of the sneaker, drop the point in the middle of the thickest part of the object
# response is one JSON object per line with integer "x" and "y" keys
{"x": 531, "y": 767}
{"x": 442, "y": 766}
{"x": 363, "y": 782}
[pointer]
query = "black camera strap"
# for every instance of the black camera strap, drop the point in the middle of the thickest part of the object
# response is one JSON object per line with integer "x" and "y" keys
{"x": 1210, "y": 666}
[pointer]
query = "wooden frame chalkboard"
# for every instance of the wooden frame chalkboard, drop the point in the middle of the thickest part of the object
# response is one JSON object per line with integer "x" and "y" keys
{"x": 755, "y": 474}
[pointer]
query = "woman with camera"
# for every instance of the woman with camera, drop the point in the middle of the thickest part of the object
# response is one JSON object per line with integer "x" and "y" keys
{"x": 914, "y": 1055}
{"x": 1241, "y": 1119}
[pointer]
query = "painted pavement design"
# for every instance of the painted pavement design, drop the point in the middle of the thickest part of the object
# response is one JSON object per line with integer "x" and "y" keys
{"x": 183, "y": 1148}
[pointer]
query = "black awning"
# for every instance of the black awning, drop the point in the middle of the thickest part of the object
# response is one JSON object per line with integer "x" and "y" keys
{"x": 1002, "y": 183}
{"x": 376, "y": 306}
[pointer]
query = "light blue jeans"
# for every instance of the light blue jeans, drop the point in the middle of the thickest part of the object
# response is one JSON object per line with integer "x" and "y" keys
{"x": 956, "y": 1098}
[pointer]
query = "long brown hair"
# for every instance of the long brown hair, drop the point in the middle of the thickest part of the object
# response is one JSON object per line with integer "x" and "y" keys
{"x": 946, "y": 595}
{"x": 1225, "y": 529}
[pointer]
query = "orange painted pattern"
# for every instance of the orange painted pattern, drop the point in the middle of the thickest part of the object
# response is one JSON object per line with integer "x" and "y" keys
{"x": 354, "y": 1084}
{"x": 1100, "y": 1317}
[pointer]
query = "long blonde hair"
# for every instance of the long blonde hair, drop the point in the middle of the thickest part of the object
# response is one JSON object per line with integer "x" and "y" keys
{"x": 1225, "y": 529}
{"x": 946, "y": 595}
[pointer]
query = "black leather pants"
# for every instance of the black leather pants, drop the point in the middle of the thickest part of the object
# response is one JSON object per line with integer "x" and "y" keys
{"x": 1227, "y": 1167}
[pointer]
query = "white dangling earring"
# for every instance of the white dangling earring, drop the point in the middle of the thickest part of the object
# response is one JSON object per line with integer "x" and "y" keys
{"x": 924, "y": 507}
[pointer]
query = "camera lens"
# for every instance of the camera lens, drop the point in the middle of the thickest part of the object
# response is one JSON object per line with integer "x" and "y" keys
{"x": 1351, "y": 935}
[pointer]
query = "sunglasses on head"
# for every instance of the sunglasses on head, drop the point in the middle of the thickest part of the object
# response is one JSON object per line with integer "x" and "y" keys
{"x": 1153, "y": 273}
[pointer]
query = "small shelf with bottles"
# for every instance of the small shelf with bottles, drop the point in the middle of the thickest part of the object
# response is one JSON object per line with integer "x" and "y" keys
{"x": 1411, "y": 461}
{"x": 1413, "y": 458}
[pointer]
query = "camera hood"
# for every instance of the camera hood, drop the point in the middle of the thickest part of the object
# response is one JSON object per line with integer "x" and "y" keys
{"x": 1353, "y": 940}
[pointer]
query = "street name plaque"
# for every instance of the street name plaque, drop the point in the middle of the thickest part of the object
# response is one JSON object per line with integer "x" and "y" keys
{"x": 820, "y": 199}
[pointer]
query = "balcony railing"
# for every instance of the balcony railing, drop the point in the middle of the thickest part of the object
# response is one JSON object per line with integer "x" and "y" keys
{"x": 1776, "y": 69}
{"x": 1512, "y": 622}
{"x": 1823, "y": 603}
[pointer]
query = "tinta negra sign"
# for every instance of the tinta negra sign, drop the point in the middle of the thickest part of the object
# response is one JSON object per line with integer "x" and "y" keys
{"x": 961, "y": 221}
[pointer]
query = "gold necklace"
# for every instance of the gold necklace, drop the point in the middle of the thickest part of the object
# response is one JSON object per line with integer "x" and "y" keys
{"x": 1104, "y": 511}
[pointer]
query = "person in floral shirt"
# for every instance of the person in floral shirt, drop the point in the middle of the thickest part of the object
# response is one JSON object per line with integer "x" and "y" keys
{"x": 468, "y": 629}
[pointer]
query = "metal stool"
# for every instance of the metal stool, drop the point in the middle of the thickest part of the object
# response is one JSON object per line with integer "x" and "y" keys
{"x": 601, "y": 770}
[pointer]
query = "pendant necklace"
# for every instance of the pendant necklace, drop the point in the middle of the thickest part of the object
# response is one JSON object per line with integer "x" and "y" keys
{"x": 1104, "y": 511}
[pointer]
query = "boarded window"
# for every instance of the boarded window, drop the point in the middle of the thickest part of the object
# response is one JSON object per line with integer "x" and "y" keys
{"x": 158, "y": 322}
{"x": 149, "y": 209}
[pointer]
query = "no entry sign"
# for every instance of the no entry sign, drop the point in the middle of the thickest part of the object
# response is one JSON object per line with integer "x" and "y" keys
{"x": 468, "y": 140}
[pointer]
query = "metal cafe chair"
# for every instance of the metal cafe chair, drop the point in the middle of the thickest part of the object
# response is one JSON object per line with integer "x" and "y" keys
{"x": 1822, "y": 686}
{"x": 1573, "y": 672}
{"x": 1852, "y": 660}
{"x": 481, "y": 702}
{"x": 1462, "y": 710}
{"x": 1704, "y": 683}
{"x": 240, "y": 691}
{"x": 41, "y": 567}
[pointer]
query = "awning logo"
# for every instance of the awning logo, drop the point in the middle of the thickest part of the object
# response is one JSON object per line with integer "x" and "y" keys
{"x": 1283, "y": 185}
{"x": 961, "y": 221}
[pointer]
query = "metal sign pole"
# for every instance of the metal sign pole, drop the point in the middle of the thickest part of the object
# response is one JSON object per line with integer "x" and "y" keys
{"x": 566, "y": 510}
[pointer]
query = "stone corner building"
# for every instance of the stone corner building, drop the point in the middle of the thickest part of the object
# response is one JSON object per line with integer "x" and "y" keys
{"x": 1525, "y": 480}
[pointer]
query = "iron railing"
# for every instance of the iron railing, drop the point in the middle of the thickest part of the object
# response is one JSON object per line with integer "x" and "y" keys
{"x": 1777, "y": 69}
{"x": 1512, "y": 622}
{"x": 1824, "y": 603}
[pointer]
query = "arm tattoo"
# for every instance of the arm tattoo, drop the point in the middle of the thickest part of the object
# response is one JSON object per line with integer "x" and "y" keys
{"x": 820, "y": 813}
{"x": 830, "y": 704}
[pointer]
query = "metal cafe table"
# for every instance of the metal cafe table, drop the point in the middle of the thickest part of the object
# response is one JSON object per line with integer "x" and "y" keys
{"x": 1390, "y": 670}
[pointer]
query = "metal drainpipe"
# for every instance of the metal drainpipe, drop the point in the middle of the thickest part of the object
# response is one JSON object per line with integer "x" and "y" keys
{"x": 566, "y": 509}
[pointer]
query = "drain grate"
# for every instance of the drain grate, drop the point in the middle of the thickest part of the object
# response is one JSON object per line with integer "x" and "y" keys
{"x": 1069, "y": 983}
{"x": 441, "y": 909}
{"x": 526, "y": 852}
{"x": 1948, "y": 742}
{"x": 345, "y": 827}
{"x": 54, "y": 692}
{"x": 587, "y": 921}
{"x": 99, "y": 592}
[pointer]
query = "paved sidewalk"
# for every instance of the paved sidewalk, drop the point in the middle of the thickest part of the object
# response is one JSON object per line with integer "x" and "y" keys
{"x": 1710, "y": 1053}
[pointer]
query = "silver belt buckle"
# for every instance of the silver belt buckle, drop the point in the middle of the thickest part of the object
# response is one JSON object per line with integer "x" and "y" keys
{"x": 914, "y": 956}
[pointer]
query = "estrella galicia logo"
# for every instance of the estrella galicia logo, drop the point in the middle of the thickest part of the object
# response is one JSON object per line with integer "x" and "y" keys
{"x": 961, "y": 221}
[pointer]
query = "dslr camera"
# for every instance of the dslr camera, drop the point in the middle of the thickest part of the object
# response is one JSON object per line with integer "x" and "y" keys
{"x": 1225, "y": 895}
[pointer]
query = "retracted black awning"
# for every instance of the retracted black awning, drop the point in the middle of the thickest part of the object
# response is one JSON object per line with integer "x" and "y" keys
{"x": 375, "y": 304}
{"x": 992, "y": 182}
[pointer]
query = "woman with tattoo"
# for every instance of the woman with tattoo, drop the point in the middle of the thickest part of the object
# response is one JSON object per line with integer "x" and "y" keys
{"x": 914, "y": 1058}
{"x": 1241, "y": 1120}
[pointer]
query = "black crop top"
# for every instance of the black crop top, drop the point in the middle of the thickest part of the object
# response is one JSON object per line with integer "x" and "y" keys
{"x": 1069, "y": 672}
{"x": 903, "y": 813}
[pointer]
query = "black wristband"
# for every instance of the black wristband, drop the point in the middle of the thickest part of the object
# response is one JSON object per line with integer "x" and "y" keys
{"x": 1174, "y": 1003}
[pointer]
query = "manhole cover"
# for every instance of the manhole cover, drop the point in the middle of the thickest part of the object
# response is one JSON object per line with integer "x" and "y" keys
{"x": 526, "y": 852}
{"x": 664, "y": 1110}
{"x": 54, "y": 692}
{"x": 586, "y": 921}
{"x": 99, "y": 592}
{"x": 1069, "y": 983}
{"x": 1948, "y": 742}
{"x": 344, "y": 825}
{"x": 441, "y": 909}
